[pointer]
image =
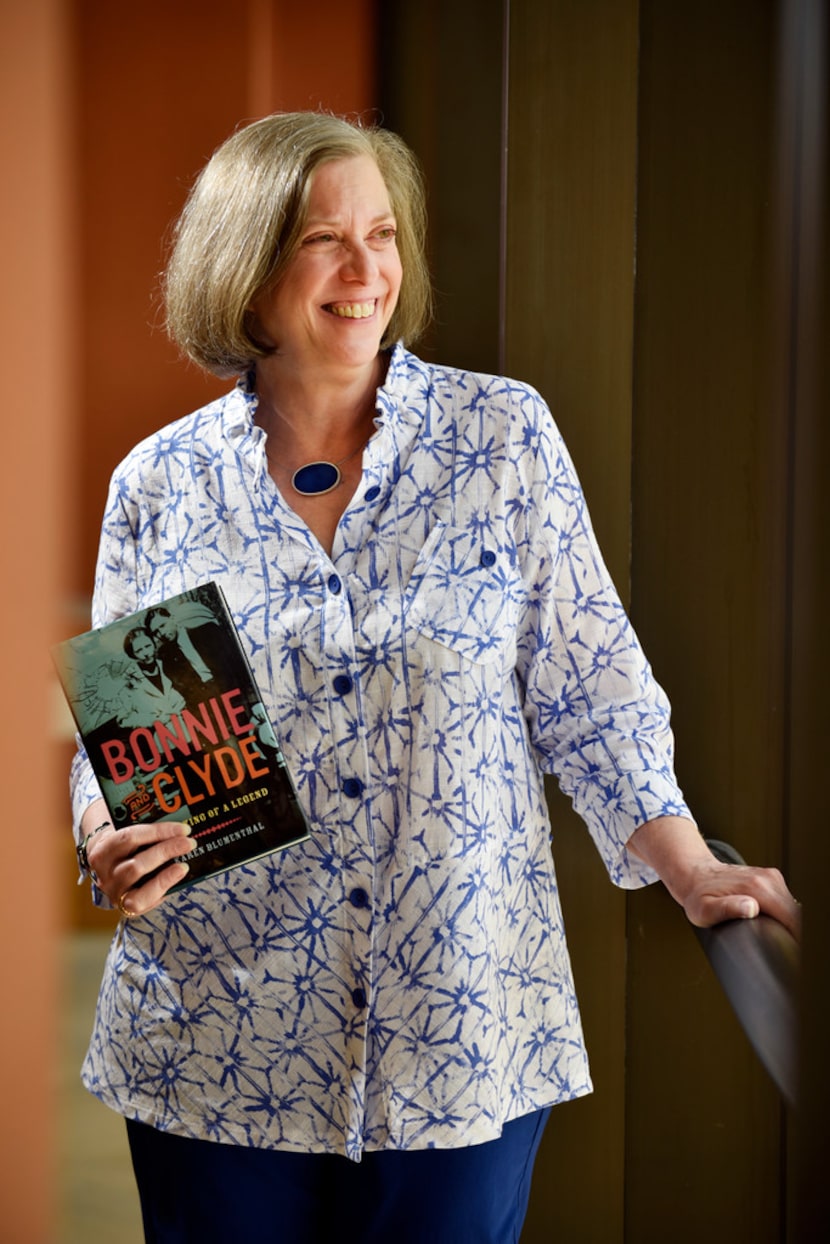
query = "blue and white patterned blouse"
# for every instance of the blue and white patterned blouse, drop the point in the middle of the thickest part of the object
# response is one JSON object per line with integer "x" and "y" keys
{"x": 401, "y": 980}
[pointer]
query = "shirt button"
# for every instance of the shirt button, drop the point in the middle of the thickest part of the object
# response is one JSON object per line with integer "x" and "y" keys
{"x": 334, "y": 583}
{"x": 352, "y": 787}
{"x": 359, "y": 998}
{"x": 359, "y": 897}
{"x": 342, "y": 684}
{"x": 372, "y": 493}
{"x": 488, "y": 558}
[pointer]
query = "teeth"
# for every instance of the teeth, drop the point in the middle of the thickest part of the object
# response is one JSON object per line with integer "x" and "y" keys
{"x": 354, "y": 310}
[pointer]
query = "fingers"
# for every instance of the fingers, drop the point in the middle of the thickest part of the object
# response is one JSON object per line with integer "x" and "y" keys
{"x": 715, "y": 910}
{"x": 767, "y": 888}
{"x": 736, "y": 892}
{"x": 136, "y": 867}
{"x": 746, "y": 907}
{"x": 138, "y": 900}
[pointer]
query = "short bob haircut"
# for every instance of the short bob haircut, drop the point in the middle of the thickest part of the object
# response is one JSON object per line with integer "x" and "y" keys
{"x": 242, "y": 224}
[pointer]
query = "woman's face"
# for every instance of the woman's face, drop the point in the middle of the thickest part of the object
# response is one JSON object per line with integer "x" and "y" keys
{"x": 336, "y": 297}
{"x": 143, "y": 650}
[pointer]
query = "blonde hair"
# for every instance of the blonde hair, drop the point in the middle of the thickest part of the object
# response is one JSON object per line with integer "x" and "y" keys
{"x": 242, "y": 222}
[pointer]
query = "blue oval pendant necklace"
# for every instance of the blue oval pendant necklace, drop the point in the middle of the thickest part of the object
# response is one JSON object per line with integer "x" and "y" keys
{"x": 315, "y": 479}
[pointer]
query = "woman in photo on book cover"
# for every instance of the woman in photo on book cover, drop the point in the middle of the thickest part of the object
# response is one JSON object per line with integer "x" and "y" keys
{"x": 150, "y": 695}
{"x": 375, "y": 1022}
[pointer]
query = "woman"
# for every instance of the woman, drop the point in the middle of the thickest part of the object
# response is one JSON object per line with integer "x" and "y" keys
{"x": 149, "y": 693}
{"x": 389, "y": 1007}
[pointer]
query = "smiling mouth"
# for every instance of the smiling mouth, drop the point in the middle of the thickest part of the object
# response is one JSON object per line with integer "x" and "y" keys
{"x": 353, "y": 310}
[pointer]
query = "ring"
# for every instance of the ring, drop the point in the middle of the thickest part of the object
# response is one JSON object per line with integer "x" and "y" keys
{"x": 120, "y": 905}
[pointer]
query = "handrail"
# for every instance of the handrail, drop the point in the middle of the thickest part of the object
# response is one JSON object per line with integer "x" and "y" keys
{"x": 757, "y": 963}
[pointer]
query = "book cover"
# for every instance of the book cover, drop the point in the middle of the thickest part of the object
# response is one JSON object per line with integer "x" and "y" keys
{"x": 175, "y": 729}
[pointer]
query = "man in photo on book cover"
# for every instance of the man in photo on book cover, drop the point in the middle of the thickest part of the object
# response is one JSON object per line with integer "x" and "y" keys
{"x": 191, "y": 651}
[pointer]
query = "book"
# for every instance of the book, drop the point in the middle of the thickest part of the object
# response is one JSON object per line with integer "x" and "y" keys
{"x": 175, "y": 729}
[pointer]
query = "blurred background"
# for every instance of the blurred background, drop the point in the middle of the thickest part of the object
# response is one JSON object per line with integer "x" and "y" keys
{"x": 628, "y": 209}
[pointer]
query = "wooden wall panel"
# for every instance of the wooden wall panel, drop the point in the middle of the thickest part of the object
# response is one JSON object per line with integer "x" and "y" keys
{"x": 442, "y": 90}
{"x": 799, "y": 386}
{"x": 558, "y": 313}
{"x": 704, "y": 1140}
{"x": 570, "y": 231}
{"x": 571, "y": 197}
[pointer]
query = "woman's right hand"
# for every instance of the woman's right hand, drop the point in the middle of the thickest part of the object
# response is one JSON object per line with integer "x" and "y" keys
{"x": 124, "y": 859}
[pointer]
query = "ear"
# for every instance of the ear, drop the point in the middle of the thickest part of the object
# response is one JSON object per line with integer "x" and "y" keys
{"x": 256, "y": 332}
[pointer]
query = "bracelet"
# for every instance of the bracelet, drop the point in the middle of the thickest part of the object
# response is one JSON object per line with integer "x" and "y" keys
{"x": 80, "y": 850}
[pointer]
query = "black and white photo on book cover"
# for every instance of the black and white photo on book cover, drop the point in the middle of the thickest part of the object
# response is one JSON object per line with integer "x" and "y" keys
{"x": 175, "y": 729}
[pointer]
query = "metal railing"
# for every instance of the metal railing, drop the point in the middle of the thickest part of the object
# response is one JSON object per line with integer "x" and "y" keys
{"x": 757, "y": 964}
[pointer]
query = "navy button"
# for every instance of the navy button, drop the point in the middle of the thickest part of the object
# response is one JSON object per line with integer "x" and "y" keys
{"x": 353, "y": 787}
{"x": 372, "y": 493}
{"x": 358, "y": 897}
{"x": 359, "y": 997}
{"x": 334, "y": 584}
{"x": 342, "y": 684}
{"x": 488, "y": 558}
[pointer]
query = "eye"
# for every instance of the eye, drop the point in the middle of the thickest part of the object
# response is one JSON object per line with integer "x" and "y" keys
{"x": 319, "y": 239}
{"x": 387, "y": 233}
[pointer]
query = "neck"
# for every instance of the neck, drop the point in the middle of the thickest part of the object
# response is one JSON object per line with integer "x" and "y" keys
{"x": 305, "y": 415}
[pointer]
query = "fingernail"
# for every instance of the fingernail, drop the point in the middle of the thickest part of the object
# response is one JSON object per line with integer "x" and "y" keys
{"x": 749, "y": 909}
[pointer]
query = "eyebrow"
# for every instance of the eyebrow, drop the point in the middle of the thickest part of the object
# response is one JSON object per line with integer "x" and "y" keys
{"x": 318, "y": 222}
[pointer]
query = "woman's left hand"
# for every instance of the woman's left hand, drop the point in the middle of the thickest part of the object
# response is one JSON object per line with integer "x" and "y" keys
{"x": 716, "y": 892}
{"x": 708, "y": 890}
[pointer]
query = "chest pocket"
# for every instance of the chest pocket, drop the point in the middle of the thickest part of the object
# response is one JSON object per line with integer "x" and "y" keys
{"x": 465, "y": 593}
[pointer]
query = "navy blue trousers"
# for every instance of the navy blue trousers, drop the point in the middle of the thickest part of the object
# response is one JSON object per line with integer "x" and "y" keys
{"x": 198, "y": 1192}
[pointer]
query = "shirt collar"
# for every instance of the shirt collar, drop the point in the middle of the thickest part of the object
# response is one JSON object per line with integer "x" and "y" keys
{"x": 239, "y": 408}
{"x": 400, "y": 397}
{"x": 395, "y": 407}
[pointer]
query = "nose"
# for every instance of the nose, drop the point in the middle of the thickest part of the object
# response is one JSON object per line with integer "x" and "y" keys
{"x": 360, "y": 263}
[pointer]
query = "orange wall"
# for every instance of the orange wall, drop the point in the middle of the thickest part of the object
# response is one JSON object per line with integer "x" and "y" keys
{"x": 159, "y": 86}
{"x": 34, "y": 299}
{"x": 108, "y": 110}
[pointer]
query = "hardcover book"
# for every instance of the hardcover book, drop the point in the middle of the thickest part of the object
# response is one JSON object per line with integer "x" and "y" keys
{"x": 175, "y": 729}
